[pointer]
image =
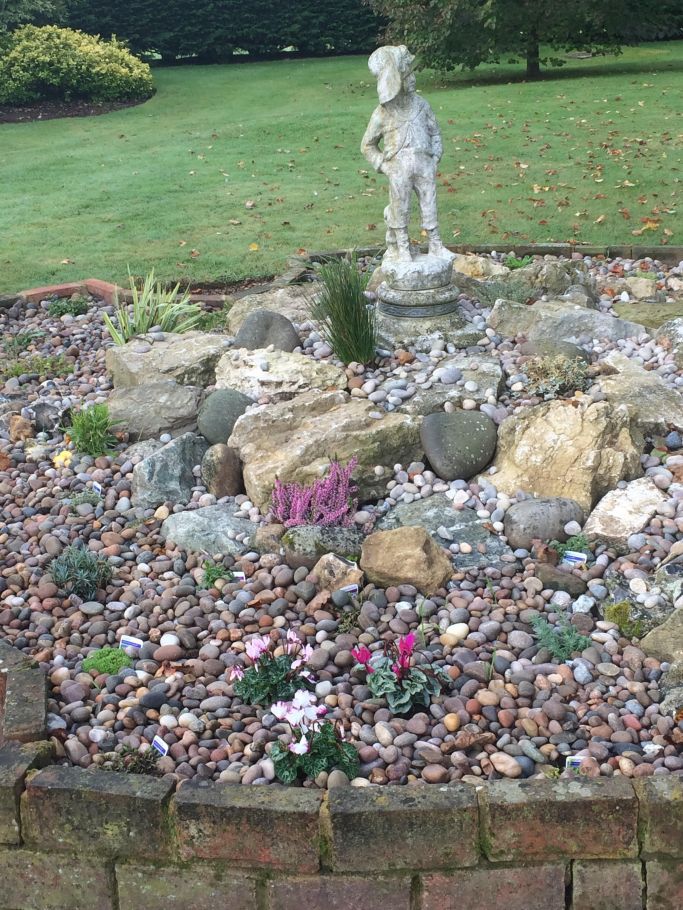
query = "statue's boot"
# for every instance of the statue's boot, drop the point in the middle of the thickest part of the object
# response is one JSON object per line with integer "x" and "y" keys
{"x": 436, "y": 247}
{"x": 403, "y": 245}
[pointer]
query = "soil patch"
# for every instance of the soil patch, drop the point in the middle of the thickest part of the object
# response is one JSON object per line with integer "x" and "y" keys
{"x": 51, "y": 110}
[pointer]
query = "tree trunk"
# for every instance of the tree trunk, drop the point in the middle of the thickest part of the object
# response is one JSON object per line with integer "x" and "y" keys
{"x": 533, "y": 63}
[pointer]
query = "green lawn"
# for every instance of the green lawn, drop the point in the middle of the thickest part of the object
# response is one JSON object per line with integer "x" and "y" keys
{"x": 229, "y": 169}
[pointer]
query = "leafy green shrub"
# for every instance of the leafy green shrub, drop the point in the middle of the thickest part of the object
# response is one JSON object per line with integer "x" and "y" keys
{"x": 345, "y": 316}
{"x": 562, "y": 639}
{"x": 67, "y": 306}
{"x": 107, "y": 660}
{"x": 50, "y": 62}
{"x": 515, "y": 262}
{"x": 152, "y": 306}
{"x": 44, "y": 366}
{"x": 578, "y": 543}
{"x": 92, "y": 430}
{"x": 213, "y": 572}
{"x": 556, "y": 374}
{"x": 81, "y": 571}
{"x": 317, "y": 745}
{"x": 325, "y": 752}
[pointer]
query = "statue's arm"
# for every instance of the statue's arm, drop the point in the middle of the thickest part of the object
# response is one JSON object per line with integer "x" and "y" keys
{"x": 435, "y": 135}
{"x": 370, "y": 143}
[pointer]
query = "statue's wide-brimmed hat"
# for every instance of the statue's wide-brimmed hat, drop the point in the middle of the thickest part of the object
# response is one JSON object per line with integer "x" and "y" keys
{"x": 390, "y": 64}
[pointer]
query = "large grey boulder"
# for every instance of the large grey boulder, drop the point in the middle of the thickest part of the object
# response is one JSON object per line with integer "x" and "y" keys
{"x": 305, "y": 544}
{"x": 488, "y": 377}
{"x": 262, "y": 328}
{"x": 554, "y": 276}
{"x": 296, "y": 441}
{"x": 211, "y": 530}
{"x": 147, "y": 411}
{"x": 653, "y": 406}
{"x": 559, "y": 449}
{"x": 167, "y": 474}
{"x": 189, "y": 358}
{"x": 458, "y": 445}
{"x": 540, "y": 519}
{"x": 558, "y": 321}
{"x": 218, "y": 414}
{"x": 447, "y": 525}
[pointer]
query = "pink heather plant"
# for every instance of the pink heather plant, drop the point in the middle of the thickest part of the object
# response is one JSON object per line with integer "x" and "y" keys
{"x": 328, "y": 501}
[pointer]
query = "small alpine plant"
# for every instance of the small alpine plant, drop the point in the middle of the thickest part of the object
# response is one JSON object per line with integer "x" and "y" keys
{"x": 391, "y": 675}
{"x": 317, "y": 745}
{"x": 272, "y": 678}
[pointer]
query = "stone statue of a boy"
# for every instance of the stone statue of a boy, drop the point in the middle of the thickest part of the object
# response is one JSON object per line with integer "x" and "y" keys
{"x": 411, "y": 149}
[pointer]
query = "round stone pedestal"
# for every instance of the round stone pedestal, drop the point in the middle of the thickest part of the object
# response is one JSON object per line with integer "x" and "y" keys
{"x": 417, "y": 288}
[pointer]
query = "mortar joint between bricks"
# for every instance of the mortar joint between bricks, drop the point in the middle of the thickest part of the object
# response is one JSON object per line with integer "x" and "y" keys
{"x": 325, "y": 829}
{"x": 416, "y": 892}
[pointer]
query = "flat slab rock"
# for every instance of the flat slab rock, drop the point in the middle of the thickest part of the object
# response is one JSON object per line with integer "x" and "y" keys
{"x": 462, "y": 526}
{"x": 278, "y": 374}
{"x": 189, "y": 358}
{"x": 211, "y": 530}
{"x": 621, "y": 513}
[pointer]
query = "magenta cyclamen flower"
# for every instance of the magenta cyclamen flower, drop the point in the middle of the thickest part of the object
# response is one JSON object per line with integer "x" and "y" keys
{"x": 236, "y": 673}
{"x": 362, "y": 655}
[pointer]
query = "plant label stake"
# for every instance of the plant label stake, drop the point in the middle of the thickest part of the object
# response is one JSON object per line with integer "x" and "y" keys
{"x": 160, "y": 746}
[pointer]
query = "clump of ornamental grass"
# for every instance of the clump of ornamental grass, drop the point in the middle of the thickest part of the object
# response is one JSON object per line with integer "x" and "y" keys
{"x": 330, "y": 500}
{"x": 556, "y": 375}
{"x": 272, "y": 678}
{"x": 561, "y": 640}
{"x": 80, "y": 571}
{"x": 92, "y": 430}
{"x": 153, "y": 306}
{"x": 109, "y": 661}
{"x": 316, "y": 747}
{"x": 345, "y": 315}
{"x": 392, "y": 675}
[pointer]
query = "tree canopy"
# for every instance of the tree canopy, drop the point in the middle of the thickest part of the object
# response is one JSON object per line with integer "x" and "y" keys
{"x": 464, "y": 33}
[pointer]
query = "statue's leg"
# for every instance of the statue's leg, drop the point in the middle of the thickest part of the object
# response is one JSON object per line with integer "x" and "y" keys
{"x": 397, "y": 212}
{"x": 425, "y": 187}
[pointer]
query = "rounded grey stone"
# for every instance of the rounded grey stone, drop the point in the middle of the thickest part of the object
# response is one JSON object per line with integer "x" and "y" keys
{"x": 219, "y": 412}
{"x": 262, "y": 328}
{"x": 458, "y": 445}
{"x": 540, "y": 519}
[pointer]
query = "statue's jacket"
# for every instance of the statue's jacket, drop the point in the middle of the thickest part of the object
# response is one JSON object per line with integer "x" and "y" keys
{"x": 414, "y": 130}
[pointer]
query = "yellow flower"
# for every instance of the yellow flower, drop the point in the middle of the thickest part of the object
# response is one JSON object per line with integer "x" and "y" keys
{"x": 62, "y": 459}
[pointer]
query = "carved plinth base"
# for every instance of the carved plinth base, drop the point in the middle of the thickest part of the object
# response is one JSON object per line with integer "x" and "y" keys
{"x": 418, "y": 288}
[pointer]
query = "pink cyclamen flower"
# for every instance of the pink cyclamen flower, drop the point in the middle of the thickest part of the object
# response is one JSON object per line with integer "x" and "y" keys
{"x": 300, "y": 748}
{"x": 306, "y": 653}
{"x": 362, "y": 656}
{"x": 406, "y": 644}
{"x": 257, "y": 647}
{"x": 236, "y": 673}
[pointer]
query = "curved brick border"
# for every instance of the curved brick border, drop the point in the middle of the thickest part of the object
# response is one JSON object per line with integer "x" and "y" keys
{"x": 72, "y": 839}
